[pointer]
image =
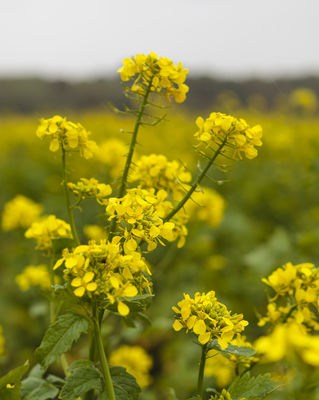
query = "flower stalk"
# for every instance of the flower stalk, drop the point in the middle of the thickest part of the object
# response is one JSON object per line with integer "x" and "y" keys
{"x": 200, "y": 382}
{"x": 197, "y": 182}
{"x": 103, "y": 360}
{"x": 67, "y": 199}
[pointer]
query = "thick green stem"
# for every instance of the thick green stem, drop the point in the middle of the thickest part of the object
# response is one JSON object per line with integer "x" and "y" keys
{"x": 200, "y": 382}
{"x": 196, "y": 183}
{"x": 104, "y": 364}
{"x": 67, "y": 199}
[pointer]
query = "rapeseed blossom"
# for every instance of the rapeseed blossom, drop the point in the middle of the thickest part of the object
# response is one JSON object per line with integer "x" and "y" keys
{"x": 142, "y": 212}
{"x": 208, "y": 319}
{"x": 100, "y": 270}
{"x": 222, "y": 129}
{"x": 161, "y": 72}
{"x": 46, "y": 229}
{"x": 34, "y": 275}
{"x": 90, "y": 188}
{"x": 94, "y": 232}
{"x": 69, "y": 135}
{"x": 136, "y": 361}
{"x": 224, "y": 395}
{"x": 155, "y": 171}
{"x": 288, "y": 341}
{"x": 296, "y": 289}
{"x": 20, "y": 212}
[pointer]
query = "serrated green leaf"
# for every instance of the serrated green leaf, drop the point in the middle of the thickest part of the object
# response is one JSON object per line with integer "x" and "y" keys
{"x": 37, "y": 371}
{"x": 60, "y": 336}
{"x": 81, "y": 380}
{"x": 125, "y": 386}
{"x": 34, "y": 388}
{"x": 251, "y": 387}
{"x": 13, "y": 379}
{"x": 231, "y": 349}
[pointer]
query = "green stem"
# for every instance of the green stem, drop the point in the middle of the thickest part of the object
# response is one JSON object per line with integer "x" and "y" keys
{"x": 67, "y": 199}
{"x": 196, "y": 183}
{"x": 133, "y": 140}
{"x": 128, "y": 162}
{"x": 104, "y": 364}
{"x": 200, "y": 382}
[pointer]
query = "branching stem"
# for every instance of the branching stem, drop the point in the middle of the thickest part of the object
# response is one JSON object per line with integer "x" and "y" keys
{"x": 197, "y": 182}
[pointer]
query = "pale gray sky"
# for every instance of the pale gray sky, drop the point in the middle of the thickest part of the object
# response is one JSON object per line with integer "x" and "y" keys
{"x": 88, "y": 38}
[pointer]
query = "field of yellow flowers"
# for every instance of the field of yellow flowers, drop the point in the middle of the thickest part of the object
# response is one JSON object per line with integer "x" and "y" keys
{"x": 160, "y": 256}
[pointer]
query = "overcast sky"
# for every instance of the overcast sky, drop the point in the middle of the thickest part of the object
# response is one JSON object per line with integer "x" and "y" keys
{"x": 89, "y": 38}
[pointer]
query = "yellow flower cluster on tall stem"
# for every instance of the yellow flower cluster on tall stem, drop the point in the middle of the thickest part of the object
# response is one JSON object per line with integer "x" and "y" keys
{"x": 66, "y": 134}
{"x": 100, "y": 270}
{"x": 296, "y": 289}
{"x": 90, "y": 188}
{"x": 164, "y": 74}
{"x": 239, "y": 136}
{"x": 208, "y": 319}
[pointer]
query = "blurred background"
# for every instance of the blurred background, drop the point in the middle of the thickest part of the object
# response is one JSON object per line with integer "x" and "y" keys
{"x": 253, "y": 59}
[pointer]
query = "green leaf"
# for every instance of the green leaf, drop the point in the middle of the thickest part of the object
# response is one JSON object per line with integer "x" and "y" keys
{"x": 251, "y": 387}
{"x": 60, "y": 337}
{"x": 125, "y": 386}
{"x": 38, "y": 389}
{"x": 83, "y": 378}
{"x": 37, "y": 371}
{"x": 231, "y": 349}
{"x": 13, "y": 380}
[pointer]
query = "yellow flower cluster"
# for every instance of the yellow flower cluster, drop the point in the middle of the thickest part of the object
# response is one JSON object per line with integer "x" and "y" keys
{"x": 161, "y": 70}
{"x": 20, "y": 212}
{"x": 206, "y": 205}
{"x": 101, "y": 269}
{"x": 155, "y": 171}
{"x": 46, "y": 229}
{"x": 69, "y": 135}
{"x": 136, "y": 361}
{"x": 221, "y": 128}
{"x": 90, "y": 188}
{"x": 223, "y": 367}
{"x": 142, "y": 212}
{"x": 296, "y": 297}
{"x": 288, "y": 341}
{"x": 112, "y": 152}
{"x": 1, "y": 342}
{"x": 34, "y": 275}
{"x": 208, "y": 319}
{"x": 224, "y": 395}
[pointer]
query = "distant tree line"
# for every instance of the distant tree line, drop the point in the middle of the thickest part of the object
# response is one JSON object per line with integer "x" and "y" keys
{"x": 28, "y": 95}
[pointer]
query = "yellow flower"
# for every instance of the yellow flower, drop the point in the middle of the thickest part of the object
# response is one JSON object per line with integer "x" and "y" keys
{"x": 20, "y": 212}
{"x": 136, "y": 361}
{"x": 47, "y": 228}
{"x": 94, "y": 232}
{"x": 235, "y": 134}
{"x": 288, "y": 341}
{"x": 67, "y": 134}
{"x": 84, "y": 284}
{"x": 100, "y": 270}
{"x": 155, "y": 171}
{"x": 165, "y": 76}
{"x": 90, "y": 188}
{"x": 34, "y": 275}
{"x": 208, "y": 319}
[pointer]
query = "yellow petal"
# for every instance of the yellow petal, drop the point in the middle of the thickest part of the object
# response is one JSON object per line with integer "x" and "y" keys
{"x": 123, "y": 309}
{"x": 79, "y": 292}
{"x": 54, "y": 145}
{"x": 76, "y": 282}
{"x": 199, "y": 327}
{"x": 91, "y": 287}
{"x": 177, "y": 326}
